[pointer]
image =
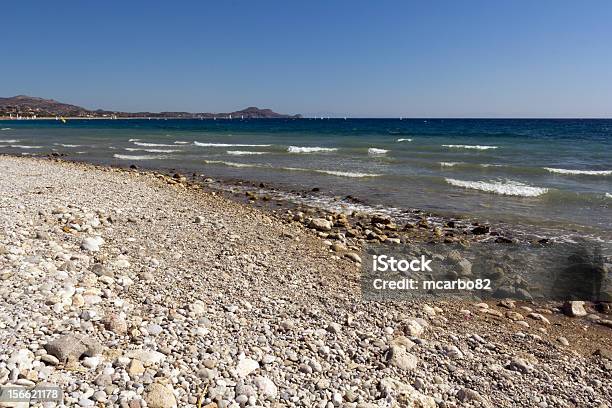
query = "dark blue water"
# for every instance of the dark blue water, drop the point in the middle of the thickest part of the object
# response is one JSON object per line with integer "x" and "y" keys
{"x": 551, "y": 174}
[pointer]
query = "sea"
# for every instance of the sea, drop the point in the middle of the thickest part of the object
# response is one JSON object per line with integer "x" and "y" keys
{"x": 552, "y": 177}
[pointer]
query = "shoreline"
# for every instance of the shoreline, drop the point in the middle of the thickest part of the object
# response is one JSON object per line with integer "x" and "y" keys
{"x": 192, "y": 299}
{"x": 442, "y": 224}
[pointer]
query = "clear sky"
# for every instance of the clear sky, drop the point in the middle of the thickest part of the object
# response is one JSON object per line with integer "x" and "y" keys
{"x": 453, "y": 58}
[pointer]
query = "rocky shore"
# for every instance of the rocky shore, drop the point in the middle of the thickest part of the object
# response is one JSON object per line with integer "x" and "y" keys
{"x": 135, "y": 289}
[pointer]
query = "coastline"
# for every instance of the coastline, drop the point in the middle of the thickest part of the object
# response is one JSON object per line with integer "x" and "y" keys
{"x": 194, "y": 298}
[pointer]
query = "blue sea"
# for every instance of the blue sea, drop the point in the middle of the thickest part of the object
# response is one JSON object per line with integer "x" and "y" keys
{"x": 552, "y": 176}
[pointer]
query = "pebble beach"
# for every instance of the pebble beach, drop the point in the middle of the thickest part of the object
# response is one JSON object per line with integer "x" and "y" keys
{"x": 128, "y": 288}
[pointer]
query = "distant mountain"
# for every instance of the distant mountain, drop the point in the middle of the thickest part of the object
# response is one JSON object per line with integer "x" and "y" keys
{"x": 29, "y": 106}
{"x": 25, "y": 104}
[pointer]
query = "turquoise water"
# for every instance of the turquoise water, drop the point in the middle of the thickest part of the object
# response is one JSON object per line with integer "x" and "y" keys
{"x": 548, "y": 174}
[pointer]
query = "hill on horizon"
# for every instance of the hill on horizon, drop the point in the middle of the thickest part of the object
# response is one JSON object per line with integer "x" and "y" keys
{"x": 31, "y": 106}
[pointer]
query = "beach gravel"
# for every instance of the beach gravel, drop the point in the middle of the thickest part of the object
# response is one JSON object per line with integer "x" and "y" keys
{"x": 127, "y": 289}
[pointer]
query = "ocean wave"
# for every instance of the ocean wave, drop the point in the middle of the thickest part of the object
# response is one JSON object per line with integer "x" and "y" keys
{"x": 404, "y": 140}
{"x": 181, "y": 142}
{"x": 347, "y": 173}
{"x": 232, "y": 164}
{"x": 229, "y": 145}
{"x": 134, "y": 140}
{"x": 329, "y": 172}
{"x": 450, "y": 164}
{"x": 25, "y": 147}
{"x": 10, "y": 141}
{"x": 475, "y": 147}
{"x": 243, "y": 153}
{"x": 143, "y": 157}
{"x": 608, "y": 195}
{"x": 66, "y": 145}
{"x": 511, "y": 188}
{"x": 579, "y": 172}
{"x": 6, "y": 129}
{"x": 299, "y": 149}
{"x": 373, "y": 151}
{"x": 136, "y": 149}
{"x": 153, "y": 144}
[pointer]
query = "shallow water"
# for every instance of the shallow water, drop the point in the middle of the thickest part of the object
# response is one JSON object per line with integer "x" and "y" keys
{"x": 552, "y": 174}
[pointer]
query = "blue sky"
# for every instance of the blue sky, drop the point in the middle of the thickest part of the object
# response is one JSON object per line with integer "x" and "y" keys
{"x": 340, "y": 58}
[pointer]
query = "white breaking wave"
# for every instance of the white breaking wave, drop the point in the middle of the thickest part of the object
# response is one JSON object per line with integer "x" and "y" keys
{"x": 229, "y": 145}
{"x": 243, "y": 153}
{"x": 153, "y": 144}
{"x": 5, "y": 129}
{"x": 608, "y": 195}
{"x": 347, "y": 173}
{"x": 333, "y": 172}
{"x": 449, "y": 164}
{"x": 231, "y": 164}
{"x": 511, "y": 188}
{"x": 181, "y": 142}
{"x": 136, "y": 149}
{"x": 25, "y": 147}
{"x": 66, "y": 145}
{"x": 299, "y": 149}
{"x": 10, "y": 141}
{"x": 134, "y": 140}
{"x": 475, "y": 147}
{"x": 404, "y": 140}
{"x": 143, "y": 157}
{"x": 329, "y": 172}
{"x": 582, "y": 172}
{"x": 373, "y": 151}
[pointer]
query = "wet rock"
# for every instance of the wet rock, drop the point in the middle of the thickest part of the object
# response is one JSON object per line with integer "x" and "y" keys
{"x": 481, "y": 230}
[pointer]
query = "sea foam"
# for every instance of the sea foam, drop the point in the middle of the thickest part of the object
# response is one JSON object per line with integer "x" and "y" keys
{"x": 301, "y": 149}
{"x": 328, "y": 172}
{"x": 134, "y": 157}
{"x": 153, "y": 144}
{"x": 373, "y": 151}
{"x": 509, "y": 187}
{"x": 136, "y": 149}
{"x": 404, "y": 140}
{"x": 10, "y": 141}
{"x": 347, "y": 173}
{"x": 229, "y": 145}
{"x": 243, "y": 153}
{"x": 231, "y": 164}
{"x": 5, "y": 129}
{"x": 579, "y": 172}
{"x": 475, "y": 147}
{"x": 25, "y": 147}
{"x": 66, "y": 145}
